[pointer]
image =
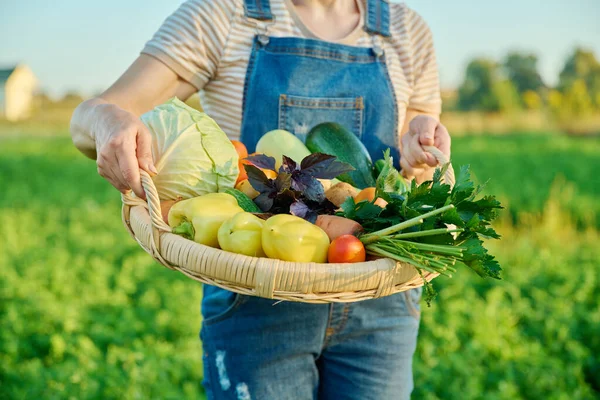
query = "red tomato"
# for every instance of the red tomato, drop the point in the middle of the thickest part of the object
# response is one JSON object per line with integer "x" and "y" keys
{"x": 240, "y": 148}
{"x": 346, "y": 249}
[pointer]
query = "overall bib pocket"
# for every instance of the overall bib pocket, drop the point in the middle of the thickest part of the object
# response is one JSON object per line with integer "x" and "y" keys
{"x": 299, "y": 115}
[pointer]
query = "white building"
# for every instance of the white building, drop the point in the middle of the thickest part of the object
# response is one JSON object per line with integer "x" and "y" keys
{"x": 17, "y": 89}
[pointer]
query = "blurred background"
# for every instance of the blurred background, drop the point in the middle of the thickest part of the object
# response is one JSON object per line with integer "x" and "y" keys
{"x": 86, "y": 314}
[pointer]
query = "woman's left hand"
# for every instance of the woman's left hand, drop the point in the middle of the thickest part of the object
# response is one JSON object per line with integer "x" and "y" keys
{"x": 415, "y": 162}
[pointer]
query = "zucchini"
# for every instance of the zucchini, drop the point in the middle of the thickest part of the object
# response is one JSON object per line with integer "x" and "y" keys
{"x": 279, "y": 143}
{"x": 244, "y": 201}
{"x": 333, "y": 139}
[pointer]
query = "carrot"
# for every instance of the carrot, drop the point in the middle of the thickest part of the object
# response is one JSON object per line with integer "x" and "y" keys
{"x": 335, "y": 226}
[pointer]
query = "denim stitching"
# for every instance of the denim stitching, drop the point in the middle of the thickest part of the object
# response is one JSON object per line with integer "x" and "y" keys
{"x": 358, "y": 122}
{"x": 378, "y": 15}
{"x": 239, "y": 300}
{"x": 344, "y": 319}
{"x": 320, "y": 102}
{"x": 282, "y": 111}
{"x": 328, "y": 328}
{"x": 321, "y": 107}
{"x": 257, "y": 10}
{"x": 249, "y": 71}
{"x": 322, "y": 54}
{"x": 391, "y": 88}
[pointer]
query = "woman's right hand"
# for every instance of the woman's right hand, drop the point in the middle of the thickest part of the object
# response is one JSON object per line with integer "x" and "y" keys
{"x": 123, "y": 146}
{"x": 108, "y": 128}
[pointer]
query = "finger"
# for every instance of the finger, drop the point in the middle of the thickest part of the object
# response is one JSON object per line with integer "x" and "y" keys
{"x": 129, "y": 168}
{"x": 409, "y": 171}
{"x": 442, "y": 140}
{"x": 427, "y": 131}
{"x": 108, "y": 168}
{"x": 405, "y": 169}
{"x": 144, "y": 150}
{"x": 116, "y": 183}
{"x": 419, "y": 156}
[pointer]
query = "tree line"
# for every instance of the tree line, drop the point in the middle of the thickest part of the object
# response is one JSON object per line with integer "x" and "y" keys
{"x": 515, "y": 84}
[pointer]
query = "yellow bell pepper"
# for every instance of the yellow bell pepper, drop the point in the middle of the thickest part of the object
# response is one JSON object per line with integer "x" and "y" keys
{"x": 291, "y": 238}
{"x": 241, "y": 234}
{"x": 200, "y": 218}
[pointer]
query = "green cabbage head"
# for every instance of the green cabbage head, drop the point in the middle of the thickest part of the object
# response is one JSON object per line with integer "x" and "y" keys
{"x": 192, "y": 154}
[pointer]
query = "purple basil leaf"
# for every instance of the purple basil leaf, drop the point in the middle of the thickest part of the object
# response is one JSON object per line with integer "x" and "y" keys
{"x": 283, "y": 181}
{"x": 262, "y": 161}
{"x": 300, "y": 181}
{"x": 313, "y": 189}
{"x": 288, "y": 194}
{"x": 258, "y": 179}
{"x": 335, "y": 169}
{"x": 324, "y": 166}
{"x": 288, "y": 165}
{"x": 317, "y": 161}
{"x": 264, "y": 202}
{"x": 299, "y": 209}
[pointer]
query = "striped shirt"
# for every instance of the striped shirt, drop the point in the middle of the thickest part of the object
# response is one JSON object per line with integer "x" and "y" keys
{"x": 208, "y": 44}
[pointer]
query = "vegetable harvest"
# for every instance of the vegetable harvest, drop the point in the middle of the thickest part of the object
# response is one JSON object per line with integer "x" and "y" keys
{"x": 413, "y": 227}
{"x": 296, "y": 209}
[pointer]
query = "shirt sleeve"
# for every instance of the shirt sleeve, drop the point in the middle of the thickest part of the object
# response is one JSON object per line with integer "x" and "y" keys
{"x": 425, "y": 95}
{"x": 192, "y": 40}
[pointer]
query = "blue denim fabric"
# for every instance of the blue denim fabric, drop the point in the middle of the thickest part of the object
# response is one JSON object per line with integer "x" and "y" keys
{"x": 256, "y": 349}
{"x": 295, "y": 84}
{"x": 261, "y": 349}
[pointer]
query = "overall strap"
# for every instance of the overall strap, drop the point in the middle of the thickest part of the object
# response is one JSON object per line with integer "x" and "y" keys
{"x": 377, "y": 17}
{"x": 258, "y": 9}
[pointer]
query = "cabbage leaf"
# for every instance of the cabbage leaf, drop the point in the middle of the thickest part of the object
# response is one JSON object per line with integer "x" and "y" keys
{"x": 192, "y": 154}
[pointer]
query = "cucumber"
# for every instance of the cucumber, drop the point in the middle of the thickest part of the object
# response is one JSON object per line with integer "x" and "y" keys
{"x": 244, "y": 201}
{"x": 333, "y": 139}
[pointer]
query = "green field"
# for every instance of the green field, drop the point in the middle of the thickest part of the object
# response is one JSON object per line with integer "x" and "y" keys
{"x": 86, "y": 314}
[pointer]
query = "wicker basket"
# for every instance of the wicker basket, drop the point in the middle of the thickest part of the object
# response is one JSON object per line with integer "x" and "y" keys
{"x": 263, "y": 277}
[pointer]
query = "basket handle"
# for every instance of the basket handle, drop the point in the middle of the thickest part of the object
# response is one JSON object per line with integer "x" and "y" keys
{"x": 152, "y": 203}
{"x": 442, "y": 159}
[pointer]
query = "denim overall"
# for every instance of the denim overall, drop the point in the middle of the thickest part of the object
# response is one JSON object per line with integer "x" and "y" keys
{"x": 262, "y": 349}
{"x": 295, "y": 84}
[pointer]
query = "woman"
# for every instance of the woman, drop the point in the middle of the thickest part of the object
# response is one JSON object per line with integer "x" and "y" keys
{"x": 290, "y": 64}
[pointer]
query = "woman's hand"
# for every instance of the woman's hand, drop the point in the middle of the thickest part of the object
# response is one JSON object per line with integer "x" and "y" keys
{"x": 123, "y": 146}
{"x": 107, "y": 128}
{"x": 423, "y": 130}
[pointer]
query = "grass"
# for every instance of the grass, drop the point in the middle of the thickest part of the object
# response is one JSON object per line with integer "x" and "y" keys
{"x": 86, "y": 314}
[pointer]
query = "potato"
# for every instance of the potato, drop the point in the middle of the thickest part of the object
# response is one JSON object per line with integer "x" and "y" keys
{"x": 339, "y": 192}
{"x": 326, "y": 183}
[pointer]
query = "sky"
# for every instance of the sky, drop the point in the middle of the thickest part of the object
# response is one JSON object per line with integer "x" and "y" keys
{"x": 83, "y": 46}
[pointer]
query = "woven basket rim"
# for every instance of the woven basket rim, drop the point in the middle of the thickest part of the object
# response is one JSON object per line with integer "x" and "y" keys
{"x": 263, "y": 277}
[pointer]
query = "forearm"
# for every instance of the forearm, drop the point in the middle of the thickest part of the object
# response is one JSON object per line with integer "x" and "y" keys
{"x": 146, "y": 84}
{"x": 84, "y": 124}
